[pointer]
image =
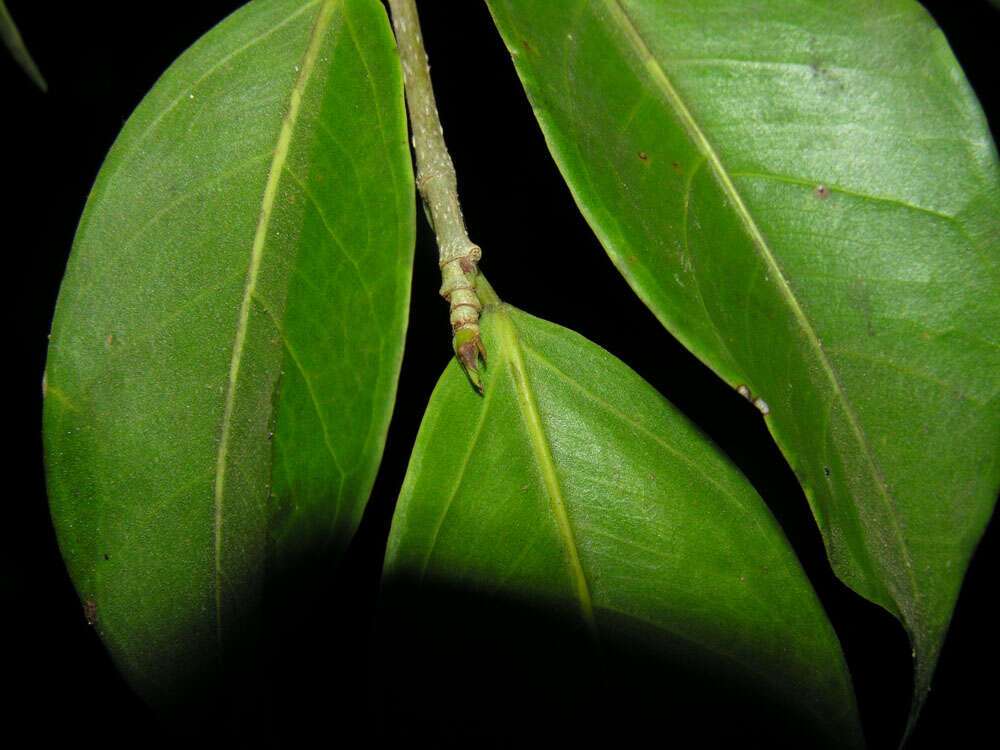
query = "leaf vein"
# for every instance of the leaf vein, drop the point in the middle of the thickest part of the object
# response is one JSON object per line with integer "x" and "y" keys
{"x": 709, "y": 477}
{"x": 306, "y": 378}
{"x": 215, "y": 66}
{"x": 281, "y": 150}
{"x": 511, "y": 343}
{"x": 641, "y": 49}
{"x": 336, "y": 239}
{"x": 463, "y": 467}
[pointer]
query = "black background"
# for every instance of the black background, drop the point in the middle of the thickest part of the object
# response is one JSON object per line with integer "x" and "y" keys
{"x": 99, "y": 62}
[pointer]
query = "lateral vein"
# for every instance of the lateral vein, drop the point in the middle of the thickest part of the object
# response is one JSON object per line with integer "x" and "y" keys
{"x": 281, "y": 150}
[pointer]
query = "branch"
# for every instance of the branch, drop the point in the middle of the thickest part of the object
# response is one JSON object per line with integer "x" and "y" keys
{"x": 438, "y": 186}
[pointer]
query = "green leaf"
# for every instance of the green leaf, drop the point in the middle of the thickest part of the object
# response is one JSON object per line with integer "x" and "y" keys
{"x": 808, "y": 197}
{"x": 228, "y": 337}
{"x": 18, "y": 50}
{"x": 573, "y": 486}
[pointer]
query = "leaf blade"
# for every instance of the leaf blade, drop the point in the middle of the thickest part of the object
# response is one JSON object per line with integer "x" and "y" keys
{"x": 572, "y": 485}
{"x": 17, "y": 48}
{"x": 768, "y": 181}
{"x": 543, "y": 457}
{"x": 224, "y": 238}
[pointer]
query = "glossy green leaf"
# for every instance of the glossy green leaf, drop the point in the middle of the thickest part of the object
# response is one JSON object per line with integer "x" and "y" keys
{"x": 572, "y": 485}
{"x": 228, "y": 337}
{"x": 806, "y": 194}
{"x": 18, "y": 50}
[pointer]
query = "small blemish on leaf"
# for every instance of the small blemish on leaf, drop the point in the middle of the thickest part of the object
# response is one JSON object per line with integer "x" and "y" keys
{"x": 110, "y": 339}
{"x": 643, "y": 155}
{"x": 826, "y": 470}
{"x": 90, "y": 611}
{"x": 822, "y": 192}
{"x": 107, "y": 556}
{"x": 676, "y": 166}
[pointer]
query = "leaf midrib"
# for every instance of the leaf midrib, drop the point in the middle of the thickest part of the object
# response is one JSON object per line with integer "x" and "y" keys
{"x": 642, "y": 50}
{"x": 281, "y": 150}
{"x": 510, "y": 346}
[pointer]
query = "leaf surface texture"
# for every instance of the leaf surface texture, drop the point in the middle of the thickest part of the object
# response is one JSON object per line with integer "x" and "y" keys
{"x": 228, "y": 336}
{"x": 806, "y": 194}
{"x": 572, "y": 486}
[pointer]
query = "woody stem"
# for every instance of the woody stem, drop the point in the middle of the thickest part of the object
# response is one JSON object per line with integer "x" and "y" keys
{"x": 438, "y": 186}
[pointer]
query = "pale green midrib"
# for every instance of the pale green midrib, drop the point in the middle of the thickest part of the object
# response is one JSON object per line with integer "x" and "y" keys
{"x": 281, "y": 150}
{"x": 645, "y": 54}
{"x": 539, "y": 443}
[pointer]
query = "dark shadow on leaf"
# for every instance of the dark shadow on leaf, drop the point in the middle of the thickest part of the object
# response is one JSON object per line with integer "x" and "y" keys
{"x": 460, "y": 668}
